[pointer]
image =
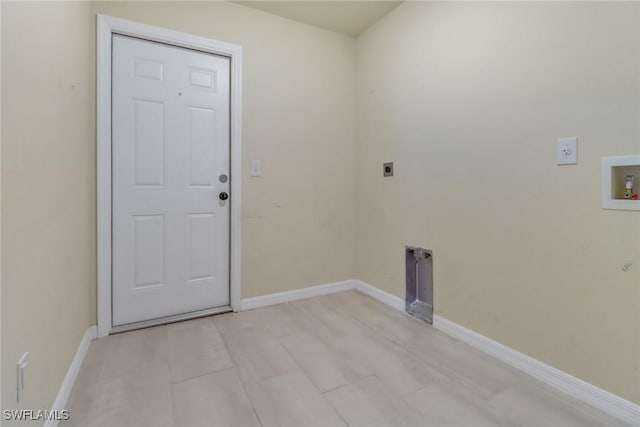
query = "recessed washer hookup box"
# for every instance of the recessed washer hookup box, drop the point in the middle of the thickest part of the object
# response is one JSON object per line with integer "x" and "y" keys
{"x": 419, "y": 278}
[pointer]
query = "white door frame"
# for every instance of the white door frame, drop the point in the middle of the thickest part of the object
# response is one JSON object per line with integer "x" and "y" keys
{"x": 106, "y": 26}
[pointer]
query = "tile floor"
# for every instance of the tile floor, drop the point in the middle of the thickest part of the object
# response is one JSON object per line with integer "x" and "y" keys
{"x": 335, "y": 360}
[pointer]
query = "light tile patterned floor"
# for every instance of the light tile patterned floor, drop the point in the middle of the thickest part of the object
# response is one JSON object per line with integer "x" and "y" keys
{"x": 335, "y": 360}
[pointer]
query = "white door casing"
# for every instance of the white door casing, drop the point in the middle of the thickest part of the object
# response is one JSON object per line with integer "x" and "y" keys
{"x": 170, "y": 161}
{"x": 196, "y": 218}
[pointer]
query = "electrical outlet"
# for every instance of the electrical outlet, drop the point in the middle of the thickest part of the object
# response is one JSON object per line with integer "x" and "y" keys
{"x": 22, "y": 376}
{"x": 567, "y": 151}
{"x": 387, "y": 169}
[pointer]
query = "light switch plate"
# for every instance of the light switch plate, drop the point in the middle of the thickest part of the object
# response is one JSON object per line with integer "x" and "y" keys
{"x": 567, "y": 151}
{"x": 256, "y": 168}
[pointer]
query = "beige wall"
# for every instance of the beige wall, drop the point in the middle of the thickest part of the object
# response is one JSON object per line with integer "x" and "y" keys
{"x": 299, "y": 119}
{"x": 0, "y": 209}
{"x": 468, "y": 99}
{"x": 48, "y": 196}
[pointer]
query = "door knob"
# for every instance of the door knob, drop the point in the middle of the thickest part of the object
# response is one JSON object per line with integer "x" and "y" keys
{"x": 223, "y": 196}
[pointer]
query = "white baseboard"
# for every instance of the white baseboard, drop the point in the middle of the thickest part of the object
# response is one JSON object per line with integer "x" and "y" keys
{"x": 281, "y": 297}
{"x": 314, "y": 291}
{"x": 329, "y": 288}
{"x": 380, "y": 295}
{"x": 577, "y": 388}
{"x": 70, "y": 379}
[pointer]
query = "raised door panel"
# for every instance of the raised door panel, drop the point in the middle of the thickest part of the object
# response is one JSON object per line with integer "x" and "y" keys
{"x": 201, "y": 146}
{"x": 148, "y": 253}
{"x": 201, "y": 246}
{"x": 148, "y": 143}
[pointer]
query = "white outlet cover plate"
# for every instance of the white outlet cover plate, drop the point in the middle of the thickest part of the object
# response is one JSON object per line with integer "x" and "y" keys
{"x": 567, "y": 151}
{"x": 22, "y": 376}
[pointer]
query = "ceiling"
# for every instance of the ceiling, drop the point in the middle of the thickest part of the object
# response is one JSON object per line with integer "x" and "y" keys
{"x": 343, "y": 16}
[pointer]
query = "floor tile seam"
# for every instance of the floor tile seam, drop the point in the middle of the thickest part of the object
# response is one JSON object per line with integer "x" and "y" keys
{"x": 206, "y": 353}
{"x": 298, "y": 365}
{"x": 350, "y": 384}
{"x": 263, "y": 379}
{"x": 253, "y": 406}
{"x": 365, "y": 379}
{"x": 136, "y": 372}
{"x": 485, "y": 404}
{"x": 103, "y": 357}
{"x": 244, "y": 390}
{"x": 473, "y": 386}
{"x": 209, "y": 336}
{"x": 344, "y": 420}
{"x": 202, "y": 375}
{"x": 169, "y": 361}
{"x": 102, "y": 376}
{"x": 312, "y": 382}
{"x": 328, "y": 402}
{"x": 248, "y": 395}
{"x": 93, "y": 385}
{"x": 350, "y": 314}
{"x": 173, "y": 403}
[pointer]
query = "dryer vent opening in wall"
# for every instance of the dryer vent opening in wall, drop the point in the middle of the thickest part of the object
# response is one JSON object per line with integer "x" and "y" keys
{"x": 419, "y": 273}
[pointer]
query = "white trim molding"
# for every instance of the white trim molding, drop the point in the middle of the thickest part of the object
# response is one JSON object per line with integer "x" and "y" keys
{"x": 380, "y": 295}
{"x": 575, "y": 387}
{"x": 297, "y": 294}
{"x": 72, "y": 374}
{"x": 106, "y": 26}
{"x": 329, "y": 288}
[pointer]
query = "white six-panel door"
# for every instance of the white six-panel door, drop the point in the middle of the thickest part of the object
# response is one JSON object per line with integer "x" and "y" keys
{"x": 170, "y": 157}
